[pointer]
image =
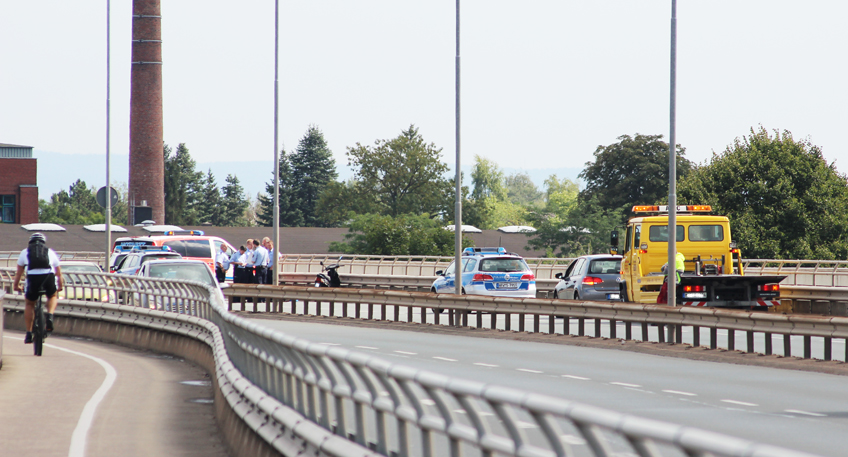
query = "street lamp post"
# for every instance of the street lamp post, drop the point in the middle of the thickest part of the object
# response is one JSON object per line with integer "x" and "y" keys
{"x": 108, "y": 183}
{"x": 671, "y": 270}
{"x": 457, "y": 270}
{"x": 276, "y": 235}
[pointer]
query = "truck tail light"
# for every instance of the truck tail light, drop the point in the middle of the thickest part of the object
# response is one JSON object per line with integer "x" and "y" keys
{"x": 480, "y": 278}
{"x": 769, "y": 288}
{"x": 591, "y": 281}
{"x": 694, "y": 289}
{"x": 528, "y": 277}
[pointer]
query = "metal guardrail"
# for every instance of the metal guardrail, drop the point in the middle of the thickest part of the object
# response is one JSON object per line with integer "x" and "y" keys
{"x": 354, "y": 402}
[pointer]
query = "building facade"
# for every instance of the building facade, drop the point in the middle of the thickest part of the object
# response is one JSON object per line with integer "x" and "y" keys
{"x": 18, "y": 185}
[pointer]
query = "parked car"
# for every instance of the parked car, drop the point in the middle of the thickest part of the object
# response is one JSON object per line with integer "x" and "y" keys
{"x": 181, "y": 269}
{"x": 489, "y": 271}
{"x": 591, "y": 277}
{"x": 142, "y": 254}
{"x": 190, "y": 244}
{"x": 78, "y": 286}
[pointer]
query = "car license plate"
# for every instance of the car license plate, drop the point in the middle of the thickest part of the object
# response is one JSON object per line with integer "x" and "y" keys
{"x": 613, "y": 297}
{"x": 506, "y": 285}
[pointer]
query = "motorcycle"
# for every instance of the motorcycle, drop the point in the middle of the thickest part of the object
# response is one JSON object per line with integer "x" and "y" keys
{"x": 331, "y": 279}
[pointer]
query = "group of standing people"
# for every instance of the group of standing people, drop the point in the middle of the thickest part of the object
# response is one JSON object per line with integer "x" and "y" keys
{"x": 253, "y": 263}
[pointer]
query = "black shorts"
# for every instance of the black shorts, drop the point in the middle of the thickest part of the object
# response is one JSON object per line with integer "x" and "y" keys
{"x": 36, "y": 282}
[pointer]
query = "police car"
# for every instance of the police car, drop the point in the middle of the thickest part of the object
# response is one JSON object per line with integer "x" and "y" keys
{"x": 489, "y": 271}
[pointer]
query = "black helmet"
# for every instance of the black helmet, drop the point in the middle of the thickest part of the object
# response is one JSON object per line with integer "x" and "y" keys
{"x": 37, "y": 237}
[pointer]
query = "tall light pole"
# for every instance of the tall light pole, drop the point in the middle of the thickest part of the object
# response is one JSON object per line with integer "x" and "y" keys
{"x": 672, "y": 170}
{"x": 108, "y": 182}
{"x": 457, "y": 270}
{"x": 276, "y": 236}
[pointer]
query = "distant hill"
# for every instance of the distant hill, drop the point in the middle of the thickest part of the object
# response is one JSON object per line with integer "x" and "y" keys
{"x": 57, "y": 171}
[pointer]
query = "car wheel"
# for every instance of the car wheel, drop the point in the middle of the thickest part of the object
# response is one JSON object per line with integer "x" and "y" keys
{"x": 576, "y": 296}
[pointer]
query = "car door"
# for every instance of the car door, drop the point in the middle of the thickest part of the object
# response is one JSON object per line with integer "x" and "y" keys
{"x": 446, "y": 283}
{"x": 573, "y": 279}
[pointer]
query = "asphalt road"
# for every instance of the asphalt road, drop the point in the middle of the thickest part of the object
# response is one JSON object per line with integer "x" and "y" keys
{"x": 793, "y": 409}
{"x": 83, "y": 398}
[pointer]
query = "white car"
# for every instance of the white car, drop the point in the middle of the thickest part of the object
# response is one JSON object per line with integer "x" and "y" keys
{"x": 181, "y": 269}
{"x": 78, "y": 286}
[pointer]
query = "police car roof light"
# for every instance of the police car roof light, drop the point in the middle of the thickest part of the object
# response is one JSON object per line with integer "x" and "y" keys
{"x": 184, "y": 232}
{"x": 484, "y": 250}
{"x": 150, "y": 248}
{"x": 664, "y": 209}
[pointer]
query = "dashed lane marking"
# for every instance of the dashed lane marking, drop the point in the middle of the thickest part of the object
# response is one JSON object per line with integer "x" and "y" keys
{"x": 624, "y": 384}
{"x": 485, "y": 365}
{"x": 805, "y": 413}
{"x": 445, "y": 359}
{"x": 527, "y": 370}
{"x": 366, "y": 347}
{"x": 580, "y": 378}
{"x": 743, "y": 403}
{"x": 677, "y": 392}
{"x": 407, "y": 353}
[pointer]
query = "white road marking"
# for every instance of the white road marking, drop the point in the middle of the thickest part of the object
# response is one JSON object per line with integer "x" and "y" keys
{"x": 743, "y": 403}
{"x": 80, "y": 435}
{"x": 581, "y": 378}
{"x": 677, "y": 392}
{"x": 445, "y": 359}
{"x": 527, "y": 370}
{"x": 366, "y": 347}
{"x": 625, "y": 384}
{"x": 806, "y": 413}
{"x": 485, "y": 365}
{"x": 402, "y": 352}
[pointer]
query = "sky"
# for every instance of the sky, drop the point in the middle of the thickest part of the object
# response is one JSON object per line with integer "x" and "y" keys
{"x": 543, "y": 82}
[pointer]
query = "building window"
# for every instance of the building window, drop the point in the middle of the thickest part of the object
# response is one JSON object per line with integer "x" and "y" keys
{"x": 8, "y": 208}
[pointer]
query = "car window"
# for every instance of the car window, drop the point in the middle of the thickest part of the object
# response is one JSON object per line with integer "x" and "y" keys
{"x": 578, "y": 267}
{"x": 176, "y": 246}
{"x": 637, "y": 232}
{"x": 628, "y": 238}
{"x": 198, "y": 248}
{"x": 605, "y": 266}
{"x": 706, "y": 233}
{"x": 450, "y": 270}
{"x": 659, "y": 233}
{"x": 162, "y": 256}
{"x": 469, "y": 265}
{"x": 188, "y": 272}
{"x": 570, "y": 269}
{"x": 503, "y": 265}
{"x": 131, "y": 261}
{"x": 120, "y": 262}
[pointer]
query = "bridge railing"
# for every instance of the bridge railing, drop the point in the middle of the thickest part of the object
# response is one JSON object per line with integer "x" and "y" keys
{"x": 339, "y": 402}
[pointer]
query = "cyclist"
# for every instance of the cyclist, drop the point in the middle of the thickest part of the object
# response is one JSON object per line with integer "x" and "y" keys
{"x": 43, "y": 272}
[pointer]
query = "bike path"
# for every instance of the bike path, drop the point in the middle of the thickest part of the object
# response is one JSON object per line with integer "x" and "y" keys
{"x": 83, "y": 398}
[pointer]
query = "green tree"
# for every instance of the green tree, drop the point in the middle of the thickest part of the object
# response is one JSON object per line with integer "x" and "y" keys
{"x": 234, "y": 203}
{"x": 313, "y": 169}
{"x": 633, "y": 171}
{"x": 402, "y": 175}
{"x": 182, "y": 187}
{"x": 407, "y": 234}
{"x": 521, "y": 190}
{"x": 290, "y": 212}
{"x": 78, "y": 206}
{"x": 783, "y": 199}
{"x": 487, "y": 180}
{"x": 340, "y": 199}
{"x": 210, "y": 210}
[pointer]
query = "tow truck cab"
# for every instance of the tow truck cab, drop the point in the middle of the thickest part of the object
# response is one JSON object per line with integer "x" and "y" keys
{"x": 713, "y": 274}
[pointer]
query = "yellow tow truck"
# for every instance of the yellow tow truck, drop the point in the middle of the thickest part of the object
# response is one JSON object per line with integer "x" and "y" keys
{"x": 713, "y": 274}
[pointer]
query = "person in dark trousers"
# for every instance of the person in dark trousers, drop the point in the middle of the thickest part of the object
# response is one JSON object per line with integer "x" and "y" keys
{"x": 222, "y": 264}
{"x": 238, "y": 268}
{"x": 260, "y": 262}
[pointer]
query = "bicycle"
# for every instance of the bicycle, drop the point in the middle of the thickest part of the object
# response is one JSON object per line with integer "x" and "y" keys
{"x": 39, "y": 325}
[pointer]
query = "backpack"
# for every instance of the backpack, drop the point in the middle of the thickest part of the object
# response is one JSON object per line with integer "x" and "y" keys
{"x": 38, "y": 256}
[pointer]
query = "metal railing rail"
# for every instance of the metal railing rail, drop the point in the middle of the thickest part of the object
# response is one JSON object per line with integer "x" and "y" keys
{"x": 353, "y": 402}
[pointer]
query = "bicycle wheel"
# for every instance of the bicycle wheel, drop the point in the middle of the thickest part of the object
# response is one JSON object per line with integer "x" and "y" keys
{"x": 38, "y": 329}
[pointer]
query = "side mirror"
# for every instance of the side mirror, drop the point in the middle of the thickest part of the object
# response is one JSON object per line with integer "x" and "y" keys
{"x": 558, "y": 275}
{"x": 614, "y": 238}
{"x": 440, "y": 273}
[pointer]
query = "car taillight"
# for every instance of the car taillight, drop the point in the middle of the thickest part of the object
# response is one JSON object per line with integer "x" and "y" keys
{"x": 694, "y": 288}
{"x": 528, "y": 277}
{"x": 479, "y": 277}
{"x": 591, "y": 280}
{"x": 769, "y": 288}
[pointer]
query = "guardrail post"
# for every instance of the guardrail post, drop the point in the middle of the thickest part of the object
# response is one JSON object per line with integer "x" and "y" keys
{"x": 294, "y": 306}
{"x": 356, "y": 307}
{"x": 597, "y": 328}
{"x": 612, "y": 325}
{"x": 508, "y": 321}
{"x": 750, "y": 342}
{"x": 521, "y": 322}
{"x": 661, "y": 333}
{"x": 696, "y": 336}
{"x": 409, "y": 313}
{"x": 332, "y": 308}
{"x": 644, "y": 326}
{"x": 581, "y": 327}
{"x": 678, "y": 334}
{"x": 383, "y": 315}
{"x": 713, "y": 338}
{"x": 828, "y": 348}
{"x": 536, "y": 319}
{"x": 731, "y": 339}
{"x": 370, "y": 311}
{"x": 787, "y": 345}
{"x": 628, "y": 330}
{"x": 768, "y": 343}
{"x": 552, "y": 324}
{"x": 494, "y": 321}
{"x": 807, "y": 346}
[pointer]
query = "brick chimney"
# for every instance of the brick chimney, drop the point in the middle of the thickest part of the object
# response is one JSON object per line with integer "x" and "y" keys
{"x": 147, "y": 165}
